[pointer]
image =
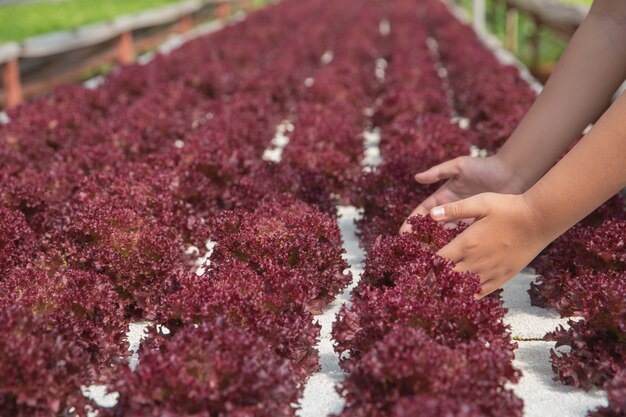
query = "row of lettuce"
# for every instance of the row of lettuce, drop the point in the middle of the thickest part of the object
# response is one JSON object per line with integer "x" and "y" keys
{"x": 414, "y": 341}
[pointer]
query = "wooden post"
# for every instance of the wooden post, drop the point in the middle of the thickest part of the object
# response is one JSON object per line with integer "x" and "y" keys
{"x": 223, "y": 11}
{"x": 125, "y": 50}
{"x": 535, "y": 42}
{"x": 11, "y": 82}
{"x": 512, "y": 29}
{"x": 478, "y": 14}
{"x": 186, "y": 23}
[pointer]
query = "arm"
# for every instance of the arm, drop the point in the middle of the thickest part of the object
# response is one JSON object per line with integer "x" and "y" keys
{"x": 590, "y": 70}
{"x": 585, "y": 178}
{"x": 512, "y": 229}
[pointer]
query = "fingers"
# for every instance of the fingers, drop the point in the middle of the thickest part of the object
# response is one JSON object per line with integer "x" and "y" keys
{"x": 421, "y": 210}
{"x": 442, "y": 195}
{"x": 439, "y": 172}
{"x": 452, "y": 251}
{"x": 487, "y": 288}
{"x": 424, "y": 208}
{"x": 469, "y": 208}
{"x": 406, "y": 227}
{"x": 469, "y": 255}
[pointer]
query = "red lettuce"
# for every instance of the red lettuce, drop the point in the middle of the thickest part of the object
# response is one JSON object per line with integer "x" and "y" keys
{"x": 409, "y": 369}
{"x": 208, "y": 370}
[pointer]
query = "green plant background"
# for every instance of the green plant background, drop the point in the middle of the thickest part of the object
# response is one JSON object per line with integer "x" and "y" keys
{"x": 551, "y": 44}
{"x": 23, "y": 20}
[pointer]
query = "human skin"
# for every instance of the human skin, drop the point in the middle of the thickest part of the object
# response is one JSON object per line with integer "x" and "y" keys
{"x": 532, "y": 207}
{"x": 510, "y": 230}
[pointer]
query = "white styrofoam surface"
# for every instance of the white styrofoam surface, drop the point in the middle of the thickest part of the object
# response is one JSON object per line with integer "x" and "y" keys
{"x": 98, "y": 393}
{"x": 544, "y": 397}
{"x": 320, "y": 397}
{"x": 371, "y": 150}
{"x": 526, "y": 321}
{"x": 274, "y": 152}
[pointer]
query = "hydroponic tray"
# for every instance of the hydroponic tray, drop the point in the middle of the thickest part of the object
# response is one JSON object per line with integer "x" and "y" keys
{"x": 235, "y": 203}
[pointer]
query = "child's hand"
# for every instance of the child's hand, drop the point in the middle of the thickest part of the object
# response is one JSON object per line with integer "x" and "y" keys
{"x": 504, "y": 238}
{"x": 466, "y": 177}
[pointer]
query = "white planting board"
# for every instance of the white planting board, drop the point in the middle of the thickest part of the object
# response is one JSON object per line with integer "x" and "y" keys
{"x": 320, "y": 398}
{"x": 542, "y": 396}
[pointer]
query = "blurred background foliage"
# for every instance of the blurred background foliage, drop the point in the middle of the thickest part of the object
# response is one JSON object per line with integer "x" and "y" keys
{"x": 22, "y": 19}
{"x": 551, "y": 44}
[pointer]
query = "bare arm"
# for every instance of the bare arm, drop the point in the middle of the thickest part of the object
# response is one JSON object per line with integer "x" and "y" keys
{"x": 590, "y": 70}
{"x": 586, "y": 177}
{"x": 512, "y": 229}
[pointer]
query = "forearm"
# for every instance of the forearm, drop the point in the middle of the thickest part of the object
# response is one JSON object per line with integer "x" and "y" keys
{"x": 579, "y": 90}
{"x": 585, "y": 178}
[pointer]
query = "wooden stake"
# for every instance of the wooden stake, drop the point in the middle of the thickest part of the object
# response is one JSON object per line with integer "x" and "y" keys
{"x": 512, "y": 29}
{"x": 223, "y": 11}
{"x": 186, "y": 23}
{"x": 11, "y": 82}
{"x": 535, "y": 42}
{"x": 125, "y": 49}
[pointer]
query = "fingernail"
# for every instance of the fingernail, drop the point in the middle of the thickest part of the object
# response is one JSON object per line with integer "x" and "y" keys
{"x": 438, "y": 212}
